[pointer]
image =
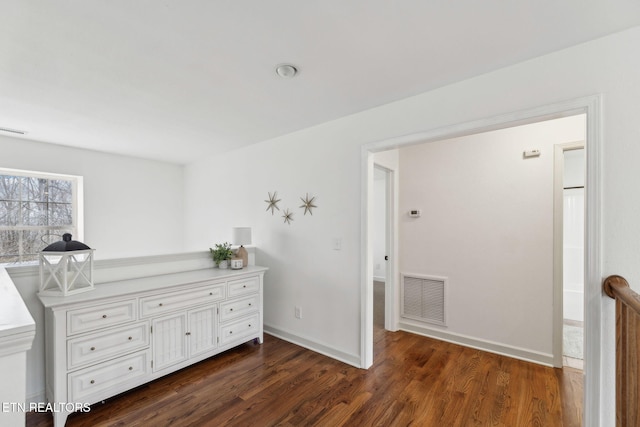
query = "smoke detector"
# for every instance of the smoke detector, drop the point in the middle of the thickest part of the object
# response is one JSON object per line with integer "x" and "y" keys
{"x": 286, "y": 71}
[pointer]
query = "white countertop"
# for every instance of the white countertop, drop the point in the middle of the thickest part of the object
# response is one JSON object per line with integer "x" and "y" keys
{"x": 129, "y": 286}
{"x": 17, "y": 327}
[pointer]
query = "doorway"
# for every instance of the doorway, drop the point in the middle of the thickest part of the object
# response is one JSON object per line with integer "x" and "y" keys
{"x": 572, "y": 157}
{"x": 380, "y": 257}
{"x": 591, "y": 107}
{"x": 384, "y": 243}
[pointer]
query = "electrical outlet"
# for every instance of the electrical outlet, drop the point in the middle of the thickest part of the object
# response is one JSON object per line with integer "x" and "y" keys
{"x": 298, "y": 313}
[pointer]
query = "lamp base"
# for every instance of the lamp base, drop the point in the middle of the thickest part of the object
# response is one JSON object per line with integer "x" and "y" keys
{"x": 244, "y": 255}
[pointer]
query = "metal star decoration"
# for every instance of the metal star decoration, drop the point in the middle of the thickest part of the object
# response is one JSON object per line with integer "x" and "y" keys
{"x": 288, "y": 216}
{"x": 307, "y": 204}
{"x": 273, "y": 202}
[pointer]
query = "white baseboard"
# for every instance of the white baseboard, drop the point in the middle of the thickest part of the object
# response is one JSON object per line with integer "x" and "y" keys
{"x": 379, "y": 279}
{"x": 545, "y": 359}
{"x": 350, "y": 359}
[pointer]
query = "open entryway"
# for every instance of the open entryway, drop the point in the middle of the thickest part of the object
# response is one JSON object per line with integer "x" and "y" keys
{"x": 383, "y": 250}
{"x": 380, "y": 257}
{"x": 513, "y": 332}
{"x": 569, "y": 244}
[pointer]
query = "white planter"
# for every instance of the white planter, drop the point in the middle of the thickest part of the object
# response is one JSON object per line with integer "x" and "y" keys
{"x": 224, "y": 264}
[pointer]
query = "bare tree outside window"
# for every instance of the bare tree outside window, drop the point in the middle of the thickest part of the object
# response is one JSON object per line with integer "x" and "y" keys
{"x": 34, "y": 212}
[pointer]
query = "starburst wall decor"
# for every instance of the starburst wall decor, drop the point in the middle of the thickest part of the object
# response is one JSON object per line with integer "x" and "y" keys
{"x": 307, "y": 204}
{"x": 273, "y": 202}
{"x": 288, "y": 216}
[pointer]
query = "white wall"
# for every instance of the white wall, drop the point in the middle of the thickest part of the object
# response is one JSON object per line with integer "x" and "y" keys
{"x": 132, "y": 207}
{"x": 325, "y": 160}
{"x": 305, "y": 270}
{"x": 487, "y": 225}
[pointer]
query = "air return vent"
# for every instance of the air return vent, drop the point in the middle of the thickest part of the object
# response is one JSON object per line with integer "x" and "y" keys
{"x": 423, "y": 298}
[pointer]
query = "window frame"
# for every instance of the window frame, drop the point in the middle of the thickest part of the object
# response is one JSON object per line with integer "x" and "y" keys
{"x": 77, "y": 211}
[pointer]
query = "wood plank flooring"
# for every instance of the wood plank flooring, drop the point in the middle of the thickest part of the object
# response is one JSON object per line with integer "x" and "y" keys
{"x": 415, "y": 381}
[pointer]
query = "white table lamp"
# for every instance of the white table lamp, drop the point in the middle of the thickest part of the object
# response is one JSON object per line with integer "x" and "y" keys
{"x": 242, "y": 236}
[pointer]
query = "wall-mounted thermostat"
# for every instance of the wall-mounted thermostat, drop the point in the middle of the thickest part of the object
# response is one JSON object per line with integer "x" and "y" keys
{"x": 415, "y": 213}
{"x": 531, "y": 153}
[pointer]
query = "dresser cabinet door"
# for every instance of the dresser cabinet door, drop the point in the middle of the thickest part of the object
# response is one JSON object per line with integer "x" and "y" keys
{"x": 169, "y": 337}
{"x": 202, "y": 330}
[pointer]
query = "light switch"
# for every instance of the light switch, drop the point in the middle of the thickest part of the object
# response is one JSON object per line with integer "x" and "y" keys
{"x": 337, "y": 244}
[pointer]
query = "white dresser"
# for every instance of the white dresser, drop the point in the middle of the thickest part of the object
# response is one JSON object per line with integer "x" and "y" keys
{"x": 124, "y": 334}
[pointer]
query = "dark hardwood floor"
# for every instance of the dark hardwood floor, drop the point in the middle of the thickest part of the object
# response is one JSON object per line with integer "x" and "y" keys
{"x": 414, "y": 381}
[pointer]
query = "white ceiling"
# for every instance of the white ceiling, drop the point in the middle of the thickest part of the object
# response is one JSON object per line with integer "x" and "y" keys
{"x": 175, "y": 80}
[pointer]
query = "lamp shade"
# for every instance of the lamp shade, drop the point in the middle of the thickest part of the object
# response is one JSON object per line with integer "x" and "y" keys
{"x": 241, "y": 235}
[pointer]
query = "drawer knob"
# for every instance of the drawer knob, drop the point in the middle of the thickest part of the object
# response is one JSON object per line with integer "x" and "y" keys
{"x": 188, "y": 333}
{"x": 210, "y": 293}
{"x": 104, "y": 316}
{"x": 249, "y": 324}
{"x": 131, "y": 368}
{"x": 130, "y": 338}
{"x": 160, "y": 304}
{"x": 230, "y": 332}
{"x": 93, "y": 348}
{"x": 244, "y": 286}
{"x": 92, "y": 382}
{"x": 231, "y": 309}
{"x": 249, "y": 304}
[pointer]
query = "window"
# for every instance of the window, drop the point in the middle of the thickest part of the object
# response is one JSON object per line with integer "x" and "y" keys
{"x": 36, "y": 209}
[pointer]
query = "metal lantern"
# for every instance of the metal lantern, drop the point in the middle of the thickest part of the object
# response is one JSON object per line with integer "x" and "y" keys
{"x": 66, "y": 268}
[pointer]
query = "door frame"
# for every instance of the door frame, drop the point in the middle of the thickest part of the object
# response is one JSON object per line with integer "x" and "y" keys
{"x": 589, "y": 105}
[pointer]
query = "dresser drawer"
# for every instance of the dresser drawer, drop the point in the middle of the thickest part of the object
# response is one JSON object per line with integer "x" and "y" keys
{"x": 246, "y": 286}
{"x": 237, "y": 308}
{"x": 159, "y": 304}
{"x": 107, "y": 379}
{"x": 100, "y": 316}
{"x": 240, "y": 328}
{"x": 104, "y": 345}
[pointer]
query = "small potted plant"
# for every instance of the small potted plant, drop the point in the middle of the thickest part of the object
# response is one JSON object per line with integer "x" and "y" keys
{"x": 221, "y": 254}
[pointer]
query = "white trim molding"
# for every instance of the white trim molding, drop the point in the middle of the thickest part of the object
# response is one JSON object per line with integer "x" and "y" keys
{"x": 350, "y": 359}
{"x": 527, "y": 355}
